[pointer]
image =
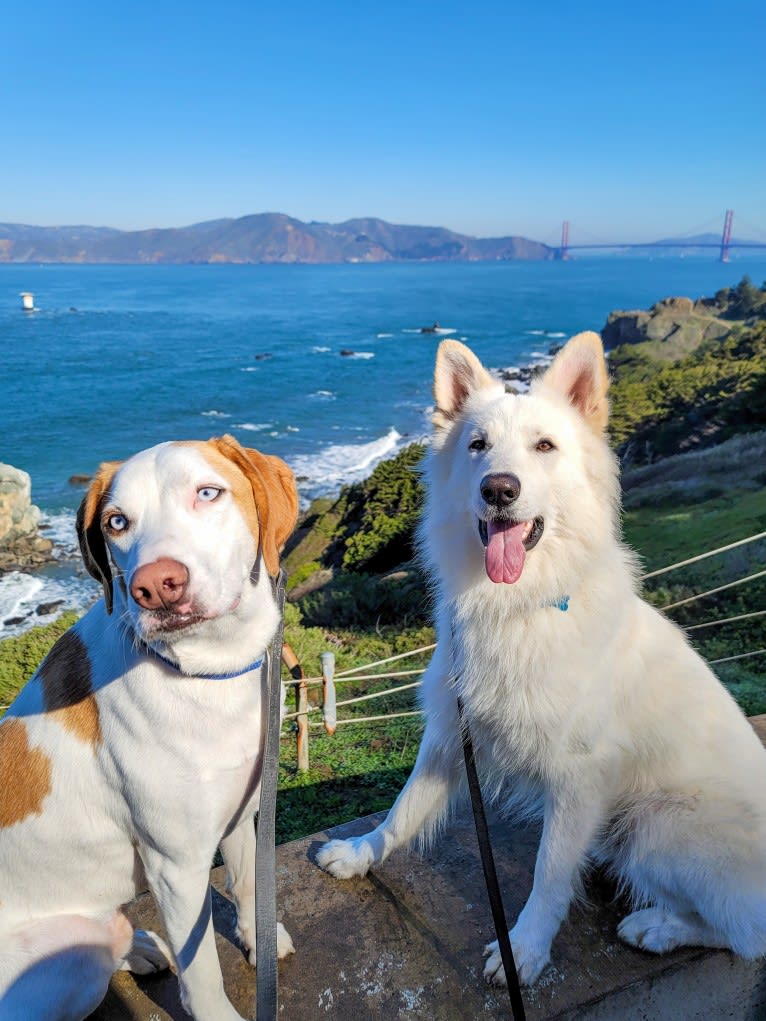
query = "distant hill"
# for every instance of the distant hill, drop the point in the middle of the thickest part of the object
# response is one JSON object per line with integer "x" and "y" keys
{"x": 695, "y": 240}
{"x": 259, "y": 238}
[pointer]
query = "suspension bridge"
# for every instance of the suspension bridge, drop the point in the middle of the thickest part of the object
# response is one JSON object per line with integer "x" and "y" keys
{"x": 723, "y": 246}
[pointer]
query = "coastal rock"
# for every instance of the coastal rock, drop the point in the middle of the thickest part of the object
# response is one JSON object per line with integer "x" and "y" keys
{"x": 20, "y": 543}
{"x": 685, "y": 322}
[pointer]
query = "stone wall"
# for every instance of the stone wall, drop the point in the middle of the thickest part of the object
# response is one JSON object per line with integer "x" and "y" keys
{"x": 20, "y": 543}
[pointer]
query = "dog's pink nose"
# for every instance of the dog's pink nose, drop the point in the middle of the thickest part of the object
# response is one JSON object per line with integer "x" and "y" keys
{"x": 160, "y": 585}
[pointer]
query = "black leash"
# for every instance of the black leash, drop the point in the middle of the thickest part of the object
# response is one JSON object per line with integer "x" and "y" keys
{"x": 267, "y": 994}
{"x": 490, "y": 874}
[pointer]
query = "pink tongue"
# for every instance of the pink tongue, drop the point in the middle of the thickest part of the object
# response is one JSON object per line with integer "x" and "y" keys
{"x": 504, "y": 555}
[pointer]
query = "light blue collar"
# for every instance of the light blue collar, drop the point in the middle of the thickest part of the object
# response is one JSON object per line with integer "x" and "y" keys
{"x": 202, "y": 677}
{"x": 558, "y": 604}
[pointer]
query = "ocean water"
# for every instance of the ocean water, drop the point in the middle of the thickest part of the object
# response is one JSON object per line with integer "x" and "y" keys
{"x": 323, "y": 365}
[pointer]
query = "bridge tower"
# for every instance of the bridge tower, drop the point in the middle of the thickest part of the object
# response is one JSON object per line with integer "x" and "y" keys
{"x": 564, "y": 249}
{"x": 726, "y": 236}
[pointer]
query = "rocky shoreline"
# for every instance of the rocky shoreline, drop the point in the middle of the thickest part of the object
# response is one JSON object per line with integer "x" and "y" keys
{"x": 21, "y": 544}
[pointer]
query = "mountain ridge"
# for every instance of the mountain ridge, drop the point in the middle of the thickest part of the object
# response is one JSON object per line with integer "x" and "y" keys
{"x": 261, "y": 238}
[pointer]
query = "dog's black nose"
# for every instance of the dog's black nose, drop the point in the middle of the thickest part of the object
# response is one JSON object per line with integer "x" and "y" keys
{"x": 501, "y": 489}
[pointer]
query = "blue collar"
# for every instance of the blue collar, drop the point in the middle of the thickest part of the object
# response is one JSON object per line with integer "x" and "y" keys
{"x": 202, "y": 677}
{"x": 558, "y": 604}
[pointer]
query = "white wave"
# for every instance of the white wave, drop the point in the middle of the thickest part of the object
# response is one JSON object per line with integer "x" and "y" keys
{"x": 380, "y": 336}
{"x": 21, "y": 594}
{"x": 361, "y": 354}
{"x": 318, "y": 350}
{"x": 558, "y": 335}
{"x": 324, "y": 472}
{"x": 17, "y": 593}
{"x": 253, "y": 427}
{"x": 215, "y": 414}
{"x": 61, "y": 530}
{"x": 250, "y": 368}
{"x": 535, "y": 333}
{"x": 324, "y": 395}
{"x": 293, "y": 429}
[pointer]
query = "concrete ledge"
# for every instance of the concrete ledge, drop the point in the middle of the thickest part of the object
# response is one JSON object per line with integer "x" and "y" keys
{"x": 406, "y": 942}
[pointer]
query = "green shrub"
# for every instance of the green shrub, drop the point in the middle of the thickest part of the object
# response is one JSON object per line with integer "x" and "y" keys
{"x": 21, "y": 656}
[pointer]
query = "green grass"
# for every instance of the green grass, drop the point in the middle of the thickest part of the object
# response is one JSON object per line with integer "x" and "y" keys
{"x": 668, "y": 534}
{"x": 21, "y": 656}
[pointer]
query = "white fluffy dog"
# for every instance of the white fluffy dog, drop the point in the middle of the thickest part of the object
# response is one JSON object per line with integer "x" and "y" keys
{"x": 601, "y": 715}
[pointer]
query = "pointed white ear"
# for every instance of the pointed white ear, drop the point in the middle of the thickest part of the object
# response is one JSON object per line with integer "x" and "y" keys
{"x": 458, "y": 373}
{"x": 579, "y": 373}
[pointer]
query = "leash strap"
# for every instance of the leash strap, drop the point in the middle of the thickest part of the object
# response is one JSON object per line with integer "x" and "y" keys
{"x": 490, "y": 874}
{"x": 267, "y": 990}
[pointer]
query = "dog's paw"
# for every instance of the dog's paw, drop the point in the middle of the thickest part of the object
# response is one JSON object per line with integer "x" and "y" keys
{"x": 148, "y": 954}
{"x": 284, "y": 942}
{"x": 345, "y": 858}
{"x": 529, "y": 962}
{"x": 652, "y": 929}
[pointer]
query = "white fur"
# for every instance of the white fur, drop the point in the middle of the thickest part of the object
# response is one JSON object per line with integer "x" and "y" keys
{"x": 602, "y": 716}
{"x": 175, "y": 772}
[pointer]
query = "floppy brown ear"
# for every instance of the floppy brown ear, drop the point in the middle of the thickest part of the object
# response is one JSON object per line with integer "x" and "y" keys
{"x": 457, "y": 374}
{"x": 579, "y": 373}
{"x": 275, "y": 495}
{"x": 89, "y": 534}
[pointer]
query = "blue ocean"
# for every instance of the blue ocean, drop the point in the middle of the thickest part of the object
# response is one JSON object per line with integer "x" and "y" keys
{"x": 325, "y": 366}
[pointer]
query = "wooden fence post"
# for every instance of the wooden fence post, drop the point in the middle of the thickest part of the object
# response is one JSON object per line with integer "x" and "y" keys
{"x": 301, "y": 706}
{"x": 329, "y": 712}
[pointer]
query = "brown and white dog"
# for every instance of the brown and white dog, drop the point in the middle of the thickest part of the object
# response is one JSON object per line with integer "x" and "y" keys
{"x": 135, "y": 750}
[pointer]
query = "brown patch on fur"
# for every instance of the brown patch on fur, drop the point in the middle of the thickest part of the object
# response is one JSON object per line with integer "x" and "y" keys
{"x": 67, "y": 689}
{"x": 26, "y": 774}
{"x": 264, "y": 488}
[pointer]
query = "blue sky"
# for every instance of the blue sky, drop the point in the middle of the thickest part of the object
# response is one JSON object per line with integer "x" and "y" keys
{"x": 633, "y": 121}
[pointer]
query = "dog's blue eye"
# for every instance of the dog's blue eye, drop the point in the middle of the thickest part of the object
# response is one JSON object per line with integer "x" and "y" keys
{"x": 117, "y": 522}
{"x": 477, "y": 444}
{"x": 209, "y": 493}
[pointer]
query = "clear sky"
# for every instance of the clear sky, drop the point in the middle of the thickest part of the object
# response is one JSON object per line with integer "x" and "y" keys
{"x": 633, "y": 120}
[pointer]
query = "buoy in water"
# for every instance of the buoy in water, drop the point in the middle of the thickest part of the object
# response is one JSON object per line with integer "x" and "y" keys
{"x": 27, "y": 301}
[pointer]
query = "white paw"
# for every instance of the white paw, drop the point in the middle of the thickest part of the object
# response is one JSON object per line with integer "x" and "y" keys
{"x": 529, "y": 961}
{"x": 148, "y": 954}
{"x": 284, "y": 942}
{"x": 652, "y": 929}
{"x": 346, "y": 858}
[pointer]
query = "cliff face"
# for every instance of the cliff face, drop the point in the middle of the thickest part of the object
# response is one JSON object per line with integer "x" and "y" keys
{"x": 20, "y": 544}
{"x": 261, "y": 238}
{"x": 685, "y": 322}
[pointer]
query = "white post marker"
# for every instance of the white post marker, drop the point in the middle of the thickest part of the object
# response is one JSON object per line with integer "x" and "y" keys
{"x": 329, "y": 712}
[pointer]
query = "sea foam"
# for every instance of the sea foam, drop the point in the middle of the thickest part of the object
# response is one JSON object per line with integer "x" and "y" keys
{"x": 322, "y": 473}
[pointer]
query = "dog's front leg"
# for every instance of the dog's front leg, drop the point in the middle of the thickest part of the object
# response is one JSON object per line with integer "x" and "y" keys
{"x": 421, "y": 805}
{"x": 238, "y": 850}
{"x": 570, "y": 823}
{"x": 182, "y": 891}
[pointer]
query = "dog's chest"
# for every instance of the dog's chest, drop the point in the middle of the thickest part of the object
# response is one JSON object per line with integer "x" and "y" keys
{"x": 195, "y": 750}
{"x": 516, "y": 693}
